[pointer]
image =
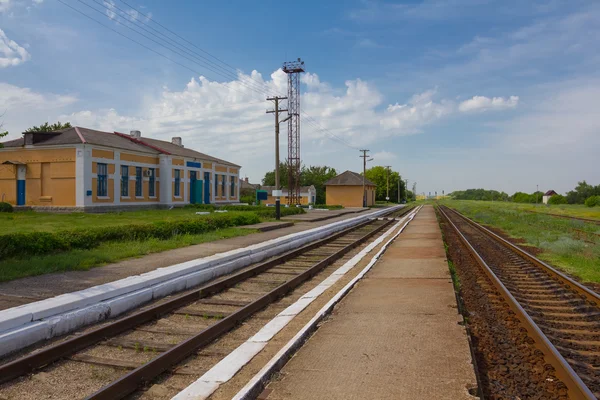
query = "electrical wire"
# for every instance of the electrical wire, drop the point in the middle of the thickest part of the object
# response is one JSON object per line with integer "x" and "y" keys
{"x": 164, "y": 46}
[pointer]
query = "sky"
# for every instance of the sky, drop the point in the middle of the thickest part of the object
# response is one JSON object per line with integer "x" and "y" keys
{"x": 453, "y": 94}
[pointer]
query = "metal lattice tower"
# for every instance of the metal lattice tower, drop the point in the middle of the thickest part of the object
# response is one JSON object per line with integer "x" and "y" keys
{"x": 293, "y": 69}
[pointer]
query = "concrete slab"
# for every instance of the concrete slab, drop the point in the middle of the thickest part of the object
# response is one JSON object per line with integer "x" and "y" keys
{"x": 268, "y": 226}
{"x": 395, "y": 336}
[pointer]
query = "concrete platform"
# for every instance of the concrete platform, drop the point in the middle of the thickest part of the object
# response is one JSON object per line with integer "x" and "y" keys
{"x": 27, "y": 290}
{"x": 268, "y": 226}
{"x": 395, "y": 336}
{"x": 322, "y": 215}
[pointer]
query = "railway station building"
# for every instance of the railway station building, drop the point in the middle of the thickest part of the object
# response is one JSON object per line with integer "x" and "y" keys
{"x": 81, "y": 169}
{"x": 346, "y": 189}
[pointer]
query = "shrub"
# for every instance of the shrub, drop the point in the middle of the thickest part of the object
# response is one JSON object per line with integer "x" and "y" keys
{"x": 557, "y": 199}
{"x": 5, "y": 207}
{"x": 36, "y": 243}
{"x": 592, "y": 201}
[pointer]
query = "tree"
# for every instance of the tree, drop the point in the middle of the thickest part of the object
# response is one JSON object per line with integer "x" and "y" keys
{"x": 582, "y": 191}
{"x": 379, "y": 176}
{"x": 557, "y": 199}
{"x": 312, "y": 175}
{"x": 45, "y": 127}
{"x": 317, "y": 176}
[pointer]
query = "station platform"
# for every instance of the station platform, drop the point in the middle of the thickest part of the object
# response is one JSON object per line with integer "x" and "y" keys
{"x": 27, "y": 290}
{"x": 396, "y": 335}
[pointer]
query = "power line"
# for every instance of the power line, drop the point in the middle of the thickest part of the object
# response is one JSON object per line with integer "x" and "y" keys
{"x": 150, "y": 18}
{"x": 161, "y": 36}
{"x": 176, "y": 51}
{"x": 137, "y": 42}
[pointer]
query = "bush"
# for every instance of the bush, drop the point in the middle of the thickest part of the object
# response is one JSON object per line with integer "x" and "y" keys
{"x": 35, "y": 243}
{"x": 5, "y": 207}
{"x": 557, "y": 199}
{"x": 592, "y": 201}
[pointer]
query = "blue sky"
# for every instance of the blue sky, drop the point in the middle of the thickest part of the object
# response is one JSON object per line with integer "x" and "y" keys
{"x": 454, "y": 94}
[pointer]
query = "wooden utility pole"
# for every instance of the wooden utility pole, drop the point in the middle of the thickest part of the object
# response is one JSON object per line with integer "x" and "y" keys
{"x": 276, "y": 111}
{"x": 364, "y": 157}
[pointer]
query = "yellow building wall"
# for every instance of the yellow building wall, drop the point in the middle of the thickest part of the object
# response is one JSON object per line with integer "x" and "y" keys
{"x": 349, "y": 196}
{"x": 219, "y": 168}
{"x": 49, "y": 178}
{"x": 304, "y": 200}
{"x": 109, "y": 154}
{"x": 178, "y": 161}
{"x": 139, "y": 159}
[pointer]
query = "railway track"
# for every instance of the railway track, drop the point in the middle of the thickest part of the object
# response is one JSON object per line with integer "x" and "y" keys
{"x": 562, "y": 316}
{"x": 128, "y": 354}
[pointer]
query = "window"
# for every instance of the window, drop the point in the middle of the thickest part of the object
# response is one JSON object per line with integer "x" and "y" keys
{"x": 177, "y": 183}
{"x": 102, "y": 189}
{"x": 223, "y": 189}
{"x": 138, "y": 182}
{"x": 232, "y": 186}
{"x": 124, "y": 180}
{"x": 152, "y": 187}
{"x": 216, "y": 185}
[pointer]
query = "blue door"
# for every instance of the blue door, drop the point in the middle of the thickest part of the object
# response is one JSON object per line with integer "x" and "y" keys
{"x": 207, "y": 188}
{"x": 193, "y": 179}
{"x": 21, "y": 192}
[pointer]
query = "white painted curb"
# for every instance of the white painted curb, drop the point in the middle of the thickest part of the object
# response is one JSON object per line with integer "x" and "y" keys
{"x": 27, "y": 324}
{"x": 225, "y": 369}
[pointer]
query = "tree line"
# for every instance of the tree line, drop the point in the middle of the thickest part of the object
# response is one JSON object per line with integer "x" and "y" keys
{"x": 583, "y": 193}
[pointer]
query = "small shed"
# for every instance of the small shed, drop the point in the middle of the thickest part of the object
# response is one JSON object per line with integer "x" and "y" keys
{"x": 346, "y": 189}
{"x": 547, "y": 196}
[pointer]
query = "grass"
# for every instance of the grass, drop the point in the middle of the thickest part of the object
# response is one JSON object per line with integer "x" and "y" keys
{"x": 31, "y": 221}
{"x": 105, "y": 253}
{"x": 569, "y": 210}
{"x": 571, "y": 245}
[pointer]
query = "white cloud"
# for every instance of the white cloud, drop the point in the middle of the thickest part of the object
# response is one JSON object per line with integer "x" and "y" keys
{"x": 110, "y": 9}
{"x": 384, "y": 156}
{"x": 4, "y": 5}
{"x": 482, "y": 103}
{"x": 11, "y": 54}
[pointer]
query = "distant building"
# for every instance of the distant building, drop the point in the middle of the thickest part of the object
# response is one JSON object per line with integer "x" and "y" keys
{"x": 346, "y": 189}
{"x": 547, "y": 196}
{"x": 308, "y": 195}
{"x": 84, "y": 169}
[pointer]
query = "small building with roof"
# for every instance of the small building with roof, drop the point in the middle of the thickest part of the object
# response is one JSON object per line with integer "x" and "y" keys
{"x": 83, "y": 169}
{"x": 346, "y": 189}
{"x": 547, "y": 196}
{"x": 308, "y": 195}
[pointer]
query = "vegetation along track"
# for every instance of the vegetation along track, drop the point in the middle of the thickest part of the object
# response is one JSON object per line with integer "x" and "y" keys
{"x": 127, "y": 354}
{"x": 562, "y": 316}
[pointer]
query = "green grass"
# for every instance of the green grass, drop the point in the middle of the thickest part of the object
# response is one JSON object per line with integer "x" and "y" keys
{"x": 569, "y": 210}
{"x": 568, "y": 244}
{"x": 31, "y": 221}
{"x": 110, "y": 252}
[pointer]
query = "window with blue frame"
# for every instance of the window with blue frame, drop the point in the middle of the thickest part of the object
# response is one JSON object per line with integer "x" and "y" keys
{"x": 177, "y": 183}
{"x": 152, "y": 183}
{"x": 223, "y": 178}
{"x": 102, "y": 173}
{"x": 232, "y": 186}
{"x": 216, "y": 185}
{"x": 124, "y": 180}
{"x": 138, "y": 181}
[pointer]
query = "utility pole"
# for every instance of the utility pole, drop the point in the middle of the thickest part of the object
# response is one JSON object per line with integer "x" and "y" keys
{"x": 387, "y": 196}
{"x": 293, "y": 69}
{"x": 537, "y": 189}
{"x": 277, "y": 193}
{"x": 364, "y": 157}
{"x": 406, "y": 190}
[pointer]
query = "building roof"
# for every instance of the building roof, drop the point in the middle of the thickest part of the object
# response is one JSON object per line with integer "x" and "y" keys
{"x": 303, "y": 189}
{"x": 349, "y": 178}
{"x": 248, "y": 185}
{"x": 550, "y": 193}
{"x": 79, "y": 135}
